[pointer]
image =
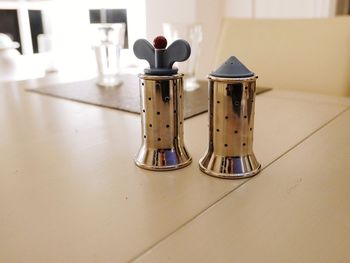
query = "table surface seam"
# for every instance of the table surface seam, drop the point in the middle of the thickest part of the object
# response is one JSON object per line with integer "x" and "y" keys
{"x": 237, "y": 187}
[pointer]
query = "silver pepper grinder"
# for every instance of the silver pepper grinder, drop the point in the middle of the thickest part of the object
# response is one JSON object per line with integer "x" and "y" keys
{"x": 161, "y": 98}
{"x": 231, "y": 122}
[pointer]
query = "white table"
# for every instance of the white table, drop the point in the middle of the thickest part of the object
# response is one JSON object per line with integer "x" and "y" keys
{"x": 70, "y": 192}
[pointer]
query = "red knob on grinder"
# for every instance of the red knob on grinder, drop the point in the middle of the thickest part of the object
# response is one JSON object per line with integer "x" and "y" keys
{"x": 160, "y": 42}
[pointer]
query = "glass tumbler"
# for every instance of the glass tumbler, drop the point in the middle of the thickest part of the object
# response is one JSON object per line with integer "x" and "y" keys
{"x": 193, "y": 33}
{"x": 108, "y": 41}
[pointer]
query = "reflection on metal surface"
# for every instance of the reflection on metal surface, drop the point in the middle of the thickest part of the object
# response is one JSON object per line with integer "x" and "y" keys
{"x": 162, "y": 123}
{"x": 231, "y": 126}
{"x": 230, "y": 167}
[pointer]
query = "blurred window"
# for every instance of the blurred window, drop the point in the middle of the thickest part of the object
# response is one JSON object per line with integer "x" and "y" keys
{"x": 110, "y": 16}
{"x": 36, "y": 27}
{"x": 9, "y": 25}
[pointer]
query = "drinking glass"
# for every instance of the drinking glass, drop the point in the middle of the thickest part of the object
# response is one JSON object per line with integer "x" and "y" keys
{"x": 108, "y": 41}
{"x": 47, "y": 49}
{"x": 193, "y": 33}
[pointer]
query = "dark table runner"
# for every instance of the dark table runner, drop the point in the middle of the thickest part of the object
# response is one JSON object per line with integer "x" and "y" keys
{"x": 125, "y": 97}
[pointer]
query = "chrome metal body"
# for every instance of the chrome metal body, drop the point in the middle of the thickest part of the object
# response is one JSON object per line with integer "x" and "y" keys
{"x": 162, "y": 121}
{"x": 231, "y": 126}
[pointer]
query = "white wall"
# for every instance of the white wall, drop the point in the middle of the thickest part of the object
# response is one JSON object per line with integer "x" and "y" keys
{"x": 162, "y": 11}
{"x": 239, "y": 8}
{"x": 279, "y": 8}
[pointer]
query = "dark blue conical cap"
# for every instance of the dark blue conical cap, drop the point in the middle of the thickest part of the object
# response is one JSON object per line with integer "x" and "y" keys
{"x": 232, "y": 68}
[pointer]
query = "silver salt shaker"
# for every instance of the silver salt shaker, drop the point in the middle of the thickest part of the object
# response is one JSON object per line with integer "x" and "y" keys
{"x": 231, "y": 122}
{"x": 161, "y": 98}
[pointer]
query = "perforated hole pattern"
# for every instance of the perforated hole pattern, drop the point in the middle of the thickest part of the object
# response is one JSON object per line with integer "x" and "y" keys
{"x": 149, "y": 104}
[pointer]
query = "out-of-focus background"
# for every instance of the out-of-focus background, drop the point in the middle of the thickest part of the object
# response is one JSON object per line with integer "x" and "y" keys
{"x": 62, "y": 27}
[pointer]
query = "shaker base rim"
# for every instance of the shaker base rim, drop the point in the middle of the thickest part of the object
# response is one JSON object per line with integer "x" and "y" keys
{"x": 229, "y": 176}
{"x": 229, "y": 167}
{"x": 164, "y": 168}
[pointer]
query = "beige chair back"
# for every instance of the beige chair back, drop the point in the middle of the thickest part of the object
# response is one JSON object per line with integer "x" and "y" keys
{"x": 307, "y": 54}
